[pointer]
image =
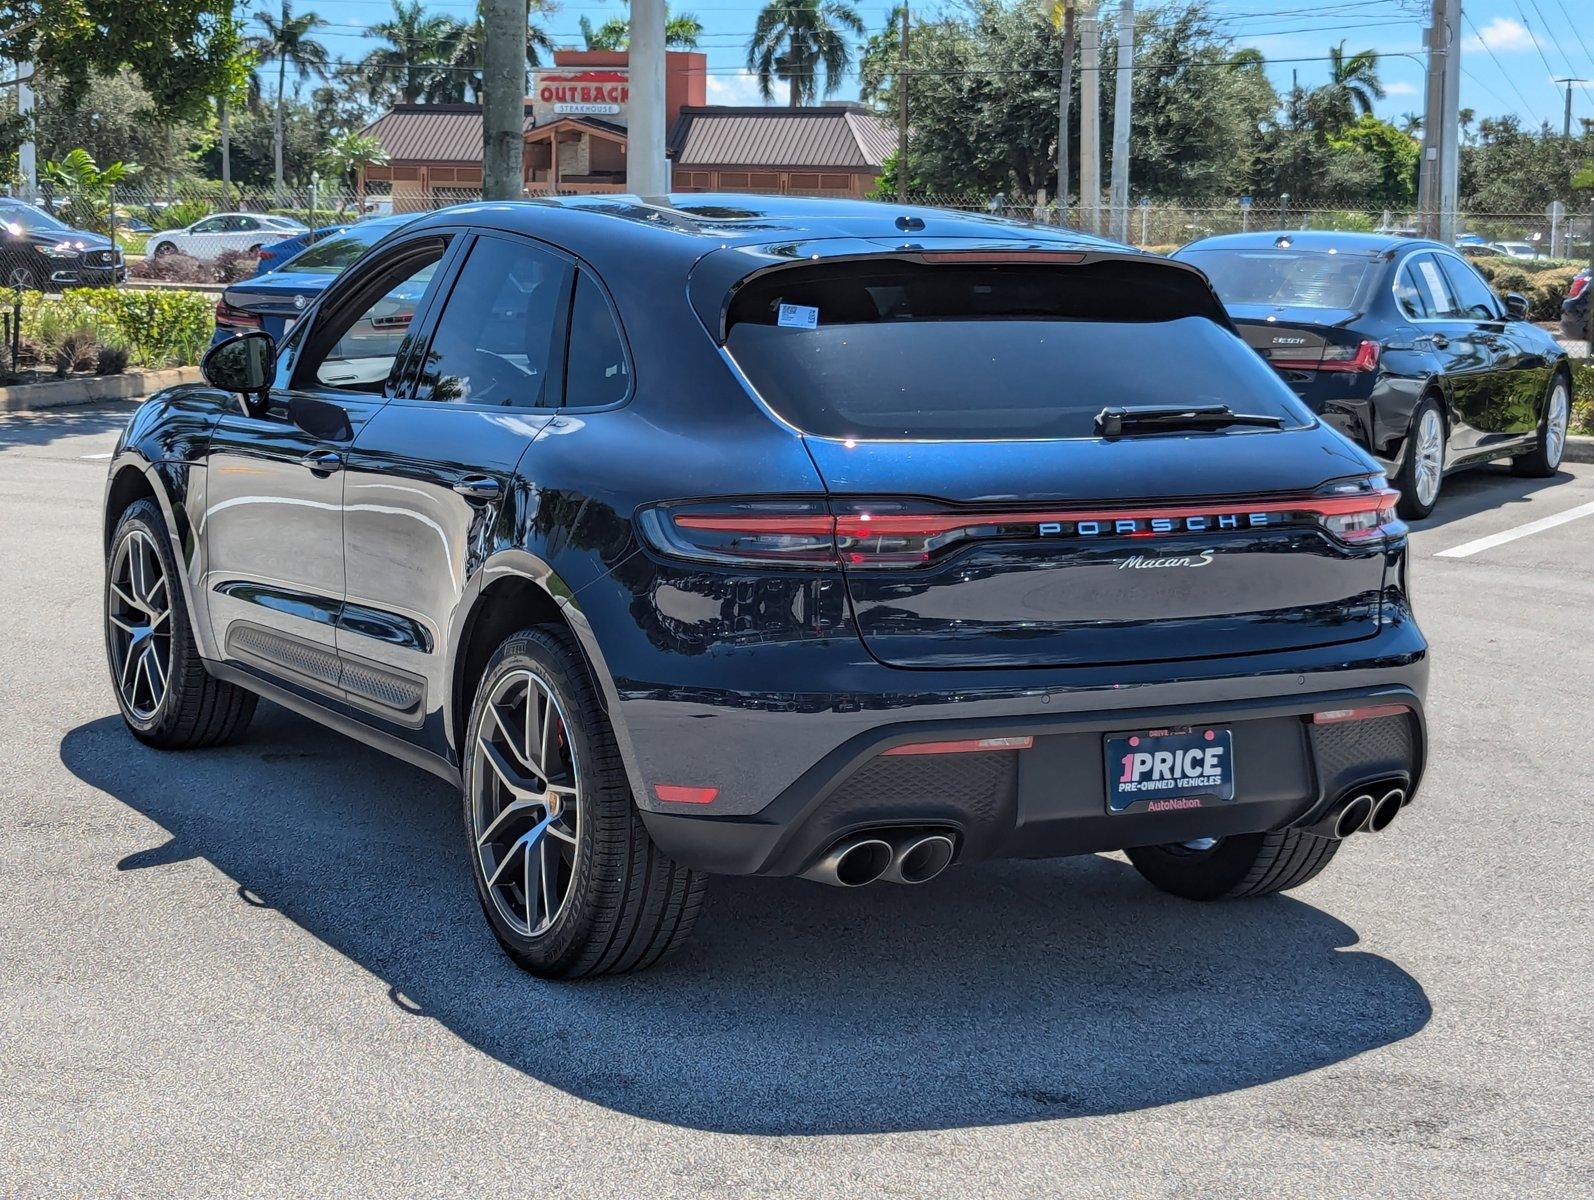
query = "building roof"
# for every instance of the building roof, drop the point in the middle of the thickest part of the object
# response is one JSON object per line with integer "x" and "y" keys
{"x": 829, "y": 137}
{"x": 434, "y": 133}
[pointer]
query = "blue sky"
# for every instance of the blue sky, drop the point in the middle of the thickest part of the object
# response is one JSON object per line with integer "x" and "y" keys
{"x": 1511, "y": 51}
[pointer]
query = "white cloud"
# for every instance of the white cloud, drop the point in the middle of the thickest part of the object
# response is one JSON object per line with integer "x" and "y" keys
{"x": 1401, "y": 88}
{"x": 740, "y": 88}
{"x": 1501, "y": 33}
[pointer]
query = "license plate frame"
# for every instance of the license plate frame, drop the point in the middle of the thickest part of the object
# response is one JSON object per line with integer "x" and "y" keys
{"x": 1139, "y": 781}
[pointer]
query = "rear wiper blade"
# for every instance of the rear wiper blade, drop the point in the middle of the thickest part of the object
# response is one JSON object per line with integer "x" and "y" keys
{"x": 1115, "y": 422}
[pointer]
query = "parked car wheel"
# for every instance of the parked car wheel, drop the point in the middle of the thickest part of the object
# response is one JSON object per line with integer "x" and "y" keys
{"x": 1545, "y": 459}
{"x": 167, "y": 697}
{"x": 1422, "y": 472}
{"x": 1254, "y": 864}
{"x": 565, "y": 871}
{"x": 162, "y": 249}
{"x": 25, "y": 278}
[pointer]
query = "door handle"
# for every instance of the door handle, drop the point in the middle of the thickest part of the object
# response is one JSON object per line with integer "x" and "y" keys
{"x": 323, "y": 462}
{"x": 478, "y": 487}
{"x": 1439, "y": 340}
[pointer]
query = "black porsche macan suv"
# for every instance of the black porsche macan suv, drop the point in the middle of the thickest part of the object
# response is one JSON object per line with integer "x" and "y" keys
{"x": 723, "y": 534}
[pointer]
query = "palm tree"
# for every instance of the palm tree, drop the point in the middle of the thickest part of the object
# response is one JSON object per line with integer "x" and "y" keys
{"x": 1352, "y": 86}
{"x": 417, "y": 61}
{"x": 348, "y": 155}
{"x": 287, "y": 41}
{"x": 1410, "y": 124}
{"x": 793, "y": 39}
{"x": 470, "y": 48}
{"x": 680, "y": 32}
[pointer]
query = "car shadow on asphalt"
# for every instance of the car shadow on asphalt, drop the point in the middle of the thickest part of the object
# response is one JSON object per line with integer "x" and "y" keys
{"x": 1468, "y": 493}
{"x": 52, "y": 425}
{"x": 999, "y": 993}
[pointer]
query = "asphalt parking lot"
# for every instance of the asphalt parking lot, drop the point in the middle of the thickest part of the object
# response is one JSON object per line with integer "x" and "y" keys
{"x": 261, "y": 971}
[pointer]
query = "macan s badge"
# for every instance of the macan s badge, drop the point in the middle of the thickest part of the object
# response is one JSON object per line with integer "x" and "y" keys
{"x": 1145, "y": 562}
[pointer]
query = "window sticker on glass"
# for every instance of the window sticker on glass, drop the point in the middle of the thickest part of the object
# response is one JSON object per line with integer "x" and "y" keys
{"x": 1436, "y": 285}
{"x": 799, "y": 316}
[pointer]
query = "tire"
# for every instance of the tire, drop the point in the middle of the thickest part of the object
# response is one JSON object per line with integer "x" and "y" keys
{"x": 162, "y": 249}
{"x": 1545, "y": 459}
{"x": 613, "y": 901}
{"x": 1422, "y": 456}
{"x": 1252, "y": 864}
{"x": 148, "y": 636}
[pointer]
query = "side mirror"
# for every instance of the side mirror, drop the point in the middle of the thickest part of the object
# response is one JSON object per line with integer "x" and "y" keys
{"x": 245, "y": 364}
{"x": 1516, "y": 306}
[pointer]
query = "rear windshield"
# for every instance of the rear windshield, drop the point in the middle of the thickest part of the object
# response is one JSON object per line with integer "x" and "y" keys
{"x": 336, "y": 254}
{"x": 1291, "y": 278}
{"x": 960, "y": 354}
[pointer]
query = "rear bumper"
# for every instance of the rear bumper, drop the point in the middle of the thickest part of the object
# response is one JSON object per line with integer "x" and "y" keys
{"x": 1049, "y": 800}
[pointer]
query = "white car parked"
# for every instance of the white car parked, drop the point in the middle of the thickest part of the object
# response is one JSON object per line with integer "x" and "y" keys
{"x": 206, "y": 239}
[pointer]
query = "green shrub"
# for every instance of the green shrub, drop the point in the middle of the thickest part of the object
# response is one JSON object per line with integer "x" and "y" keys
{"x": 180, "y": 215}
{"x": 157, "y": 329}
{"x": 1583, "y": 397}
{"x": 1545, "y": 291}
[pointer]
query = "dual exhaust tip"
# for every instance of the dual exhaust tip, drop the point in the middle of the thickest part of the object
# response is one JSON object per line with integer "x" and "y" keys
{"x": 895, "y": 857}
{"x": 1364, "y": 813}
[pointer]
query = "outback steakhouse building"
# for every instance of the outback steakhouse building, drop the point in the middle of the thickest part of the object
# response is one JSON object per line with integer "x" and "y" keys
{"x": 575, "y": 139}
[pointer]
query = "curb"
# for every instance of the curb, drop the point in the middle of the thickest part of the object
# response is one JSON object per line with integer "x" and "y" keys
{"x": 1579, "y": 449}
{"x": 94, "y": 389}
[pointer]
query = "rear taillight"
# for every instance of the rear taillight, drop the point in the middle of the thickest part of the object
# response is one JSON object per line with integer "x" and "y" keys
{"x": 889, "y": 534}
{"x": 793, "y": 533}
{"x": 235, "y": 318}
{"x": 1361, "y": 357}
{"x": 1579, "y": 282}
{"x": 1358, "y": 514}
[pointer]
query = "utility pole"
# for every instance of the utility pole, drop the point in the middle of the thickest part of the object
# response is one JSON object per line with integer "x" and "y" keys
{"x": 1566, "y": 122}
{"x": 1090, "y": 121}
{"x": 902, "y": 112}
{"x": 646, "y": 171}
{"x": 1121, "y": 100}
{"x": 504, "y": 99}
{"x": 1450, "y": 150}
{"x": 1065, "y": 95}
{"x": 27, "y": 156}
{"x": 1436, "y": 183}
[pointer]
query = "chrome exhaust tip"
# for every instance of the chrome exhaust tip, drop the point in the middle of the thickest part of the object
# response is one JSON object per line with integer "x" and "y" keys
{"x": 852, "y": 862}
{"x": 919, "y": 858}
{"x": 1386, "y": 810}
{"x": 1353, "y": 817}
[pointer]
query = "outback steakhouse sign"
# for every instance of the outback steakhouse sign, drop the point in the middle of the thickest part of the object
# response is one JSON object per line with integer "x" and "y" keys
{"x": 583, "y": 93}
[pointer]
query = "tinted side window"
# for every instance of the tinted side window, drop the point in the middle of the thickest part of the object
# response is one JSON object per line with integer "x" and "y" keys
{"x": 354, "y": 346}
{"x": 1412, "y": 299}
{"x": 1435, "y": 290}
{"x": 501, "y": 332}
{"x": 598, "y": 372}
{"x": 1475, "y": 298}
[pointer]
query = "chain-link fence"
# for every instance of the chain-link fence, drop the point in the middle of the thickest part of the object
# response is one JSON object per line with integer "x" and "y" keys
{"x": 204, "y": 220}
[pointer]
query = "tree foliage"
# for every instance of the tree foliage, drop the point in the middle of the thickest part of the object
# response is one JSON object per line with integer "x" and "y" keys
{"x": 797, "y": 41}
{"x": 182, "y": 51}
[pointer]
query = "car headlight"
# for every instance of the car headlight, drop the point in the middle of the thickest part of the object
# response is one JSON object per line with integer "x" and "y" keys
{"x": 61, "y": 250}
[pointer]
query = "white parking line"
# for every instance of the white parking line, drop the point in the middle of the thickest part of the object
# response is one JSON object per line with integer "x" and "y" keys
{"x": 1467, "y": 549}
{"x": 107, "y": 454}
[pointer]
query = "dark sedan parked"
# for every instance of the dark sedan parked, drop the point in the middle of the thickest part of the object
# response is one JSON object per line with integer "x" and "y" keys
{"x": 1575, "y": 308}
{"x": 1402, "y": 346}
{"x": 274, "y": 301}
{"x": 778, "y": 536}
{"x": 40, "y": 253}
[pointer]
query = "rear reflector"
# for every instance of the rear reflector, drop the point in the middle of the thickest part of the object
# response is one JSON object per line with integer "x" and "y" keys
{"x": 972, "y": 746}
{"x": 1333, "y": 716}
{"x": 672, "y": 793}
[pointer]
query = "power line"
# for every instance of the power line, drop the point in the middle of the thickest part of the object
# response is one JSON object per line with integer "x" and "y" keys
{"x": 1487, "y": 49}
